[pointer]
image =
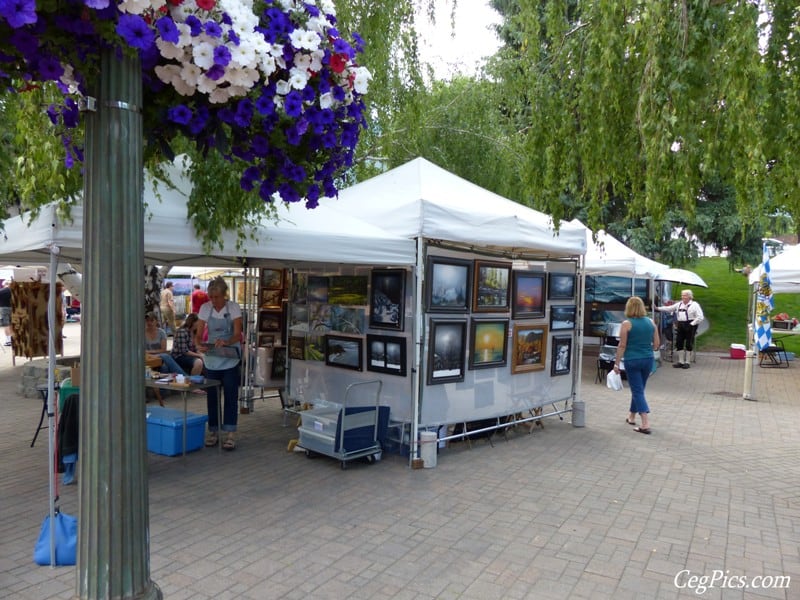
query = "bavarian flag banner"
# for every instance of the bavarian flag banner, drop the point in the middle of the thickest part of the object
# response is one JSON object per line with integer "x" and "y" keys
{"x": 764, "y": 304}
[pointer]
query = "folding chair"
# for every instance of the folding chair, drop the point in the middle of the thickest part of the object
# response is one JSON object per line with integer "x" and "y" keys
{"x": 774, "y": 355}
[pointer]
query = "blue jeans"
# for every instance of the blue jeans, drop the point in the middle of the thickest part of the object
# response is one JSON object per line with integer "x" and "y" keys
{"x": 638, "y": 370}
{"x": 230, "y": 405}
{"x": 168, "y": 365}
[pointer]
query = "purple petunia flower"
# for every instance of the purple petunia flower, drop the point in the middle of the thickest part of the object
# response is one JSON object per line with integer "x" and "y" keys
{"x": 135, "y": 31}
{"x": 260, "y": 145}
{"x": 312, "y": 196}
{"x": 50, "y": 69}
{"x": 359, "y": 42}
{"x": 222, "y": 56}
{"x": 96, "y": 4}
{"x": 195, "y": 25}
{"x": 288, "y": 193}
{"x": 233, "y": 37}
{"x": 215, "y": 72}
{"x": 18, "y": 12}
{"x": 244, "y": 113}
{"x": 341, "y": 46}
{"x": 293, "y": 104}
{"x": 249, "y": 179}
{"x": 180, "y": 114}
{"x": 293, "y": 137}
{"x": 168, "y": 30}
{"x": 213, "y": 29}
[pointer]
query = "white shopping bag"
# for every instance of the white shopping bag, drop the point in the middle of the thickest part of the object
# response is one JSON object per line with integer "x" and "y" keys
{"x": 614, "y": 381}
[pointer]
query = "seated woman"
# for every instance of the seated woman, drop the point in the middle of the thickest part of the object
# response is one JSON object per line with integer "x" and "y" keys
{"x": 184, "y": 350}
{"x": 155, "y": 344}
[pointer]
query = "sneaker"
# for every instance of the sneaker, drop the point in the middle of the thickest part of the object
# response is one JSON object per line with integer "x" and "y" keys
{"x": 685, "y": 366}
{"x": 677, "y": 365}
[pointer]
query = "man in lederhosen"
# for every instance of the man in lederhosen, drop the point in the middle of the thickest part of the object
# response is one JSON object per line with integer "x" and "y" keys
{"x": 688, "y": 315}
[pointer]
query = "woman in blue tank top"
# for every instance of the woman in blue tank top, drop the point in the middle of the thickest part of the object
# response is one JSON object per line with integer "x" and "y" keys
{"x": 637, "y": 339}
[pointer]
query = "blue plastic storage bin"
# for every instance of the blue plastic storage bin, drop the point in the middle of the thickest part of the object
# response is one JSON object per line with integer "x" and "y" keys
{"x": 165, "y": 431}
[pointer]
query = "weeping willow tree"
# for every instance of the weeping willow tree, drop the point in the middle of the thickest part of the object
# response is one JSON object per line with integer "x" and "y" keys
{"x": 629, "y": 107}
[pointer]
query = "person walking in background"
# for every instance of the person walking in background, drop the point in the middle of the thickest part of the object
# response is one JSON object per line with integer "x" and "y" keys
{"x": 5, "y": 311}
{"x": 223, "y": 320}
{"x": 638, "y": 337}
{"x": 168, "y": 308}
{"x": 688, "y": 315}
{"x": 199, "y": 297}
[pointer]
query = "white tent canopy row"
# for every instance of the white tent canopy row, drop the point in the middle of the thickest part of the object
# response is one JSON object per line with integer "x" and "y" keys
{"x": 301, "y": 236}
{"x": 784, "y": 271}
{"x": 609, "y": 256}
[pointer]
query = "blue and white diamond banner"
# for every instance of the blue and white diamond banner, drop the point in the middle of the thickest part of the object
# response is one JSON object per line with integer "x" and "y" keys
{"x": 764, "y": 305}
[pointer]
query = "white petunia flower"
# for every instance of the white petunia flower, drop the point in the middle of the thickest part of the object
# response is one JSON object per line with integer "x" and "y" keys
{"x": 326, "y": 100}
{"x": 191, "y": 74}
{"x": 134, "y": 7}
{"x": 169, "y": 50}
{"x": 203, "y": 54}
{"x": 282, "y": 87}
{"x": 361, "y": 80}
{"x": 302, "y": 61}
{"x": 298, "y": 78}
{"x": 327, "y": 7}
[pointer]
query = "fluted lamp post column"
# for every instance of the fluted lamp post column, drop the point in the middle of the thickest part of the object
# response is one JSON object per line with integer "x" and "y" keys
{"x": 113, "y": 541}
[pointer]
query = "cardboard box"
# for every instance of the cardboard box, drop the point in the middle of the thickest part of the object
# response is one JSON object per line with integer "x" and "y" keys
{"x": 75, "y": 375}
{"x": 165, "y": 431}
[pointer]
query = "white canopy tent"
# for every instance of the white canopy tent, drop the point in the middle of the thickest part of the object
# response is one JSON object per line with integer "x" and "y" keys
{"x": 784, "y": 271}
{"x": 445, "y": 213}
{"x": 319, "y": 235}
{"x": 609, "y": 256}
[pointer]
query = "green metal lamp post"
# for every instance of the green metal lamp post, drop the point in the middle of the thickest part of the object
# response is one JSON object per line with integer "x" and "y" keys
{"x": 113, "y": 551}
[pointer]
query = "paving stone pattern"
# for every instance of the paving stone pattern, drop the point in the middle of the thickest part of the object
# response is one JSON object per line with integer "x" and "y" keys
{"x": 593, "y": 512}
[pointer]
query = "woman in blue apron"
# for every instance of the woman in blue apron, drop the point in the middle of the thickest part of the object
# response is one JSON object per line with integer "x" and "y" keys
{"x": 223, "y": 351}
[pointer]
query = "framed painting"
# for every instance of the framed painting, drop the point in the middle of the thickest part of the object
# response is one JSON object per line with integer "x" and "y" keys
{"x": 278, "y": 362}
{"x": 489, "y": 343}
{"x": 491, "y": 289}
{"x": 299, "y": 288}
{"x": 269, "y": 321}
{"x": 387, "y": 299}
{"x": 563, "y": 317}
{"x": 386, "y": 354}
{"x": 528, "y": 295}
{"x": 271, "y": 298}
{"x": 317, "y": 290}
{"x": 272, "y": 278}
{"x": 347, "y": 320}
{"x": 561, "y": 286}
{"x": 446, "y": 350}
{"x": 349, "y": 290}
{"x": 562, "y": 355}
{"x": 344, "y": 352}
{"x": 315, "y": 348}
{"x": 297, "y": 347}
{"x": 448, "y": 284}
{"x": 528, "y": 348}
{"x": 266, "y": 339}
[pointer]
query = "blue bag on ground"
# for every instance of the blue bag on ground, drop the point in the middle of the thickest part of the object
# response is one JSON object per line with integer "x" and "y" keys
{"x": 66, "y": 527}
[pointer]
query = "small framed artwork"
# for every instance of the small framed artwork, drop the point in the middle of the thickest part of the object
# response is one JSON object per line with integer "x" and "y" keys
{"x": 271, "y": 298}
{"x": 386, "y": 354}
{"x": 528, "y": 348}
{"x": 528, "y": 295}
{"x": 269, "y": 321}
{"x": 491, "y": 287}
{"x": 278, "y": 362}
{"x": 350, "y": 290}
{"x": 345, "y": 352}
{"x": 489, "y": 343}
{"x": 562, "y": 317}
{"x": 299, "y": 288}
{"x": 315, "y": 348}
{"x": 562, "y": 355}
{"x": 561, "y": 286}
{"x": 297, "y": 347}
{"x": 448, "y": 284}
{"x": 446, "y": 351}
{"x": 317, "y": 290}
{"x": 387, "y": 299}
{"x": 266, "y": 339}
{"x": 347, "y": 320}
{"x": 272, "y": 278}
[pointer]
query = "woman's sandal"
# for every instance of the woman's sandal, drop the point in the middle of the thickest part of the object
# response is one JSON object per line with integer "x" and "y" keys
{"x": 229, "y": 443}
{"x": 630, "y": 422}
{"x": 211, "y": 439}
{"x": 642, "y": 430}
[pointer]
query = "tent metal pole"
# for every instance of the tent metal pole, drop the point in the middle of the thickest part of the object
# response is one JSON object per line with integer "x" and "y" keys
{"x": 578, "y": 373}
{"x": 51, "y": 366}
{"x": 416, "y": 392}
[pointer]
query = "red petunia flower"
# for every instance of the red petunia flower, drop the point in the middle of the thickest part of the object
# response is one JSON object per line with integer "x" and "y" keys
{"x": 338, "y": 63}
{"x": 206, "y": 4}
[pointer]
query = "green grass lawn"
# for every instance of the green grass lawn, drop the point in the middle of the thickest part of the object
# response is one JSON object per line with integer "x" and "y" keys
{"x": 725, "y": 303}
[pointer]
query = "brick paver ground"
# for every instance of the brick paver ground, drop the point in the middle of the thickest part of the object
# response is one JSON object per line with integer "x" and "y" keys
{"x": 593, "y": 512}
